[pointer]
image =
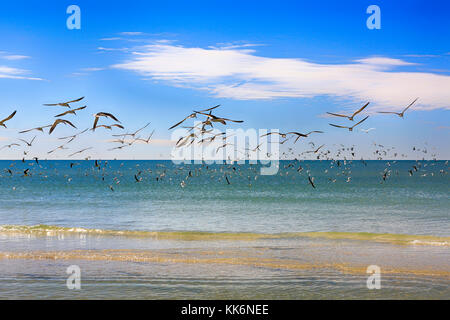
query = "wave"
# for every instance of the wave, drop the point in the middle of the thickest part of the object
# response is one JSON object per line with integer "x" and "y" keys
{"x": 402, "y": 239}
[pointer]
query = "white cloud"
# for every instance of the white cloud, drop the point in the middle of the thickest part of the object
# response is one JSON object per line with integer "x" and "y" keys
{"x": 14, "y": 73}
{"x": 240, "y": 74}
{"x": 15, "y": 57}
{"x": 133, "y": 33}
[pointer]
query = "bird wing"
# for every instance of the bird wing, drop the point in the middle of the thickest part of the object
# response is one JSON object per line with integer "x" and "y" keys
{"x": 410, "y": 105}
{"x": 50, "y": 104}
{"x": 108, "y": 115}
{"x": 337, "y": 126}
{"x": 76, "y": 100}
{"x": 9, "y": 117}
{"x": 69, "y": 123}
{"x": 388, "y": 112}
{"x": 95, "y": 123}
{"x": 361, "y": 121}
{"x": 64, "y": 113}
{"x": 337, "y": 115}
{"x": 209, "y": 109}
{"x": 362, "y": 108}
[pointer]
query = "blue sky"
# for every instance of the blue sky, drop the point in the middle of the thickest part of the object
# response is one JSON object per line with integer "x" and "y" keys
{"x": 273, "y": 64}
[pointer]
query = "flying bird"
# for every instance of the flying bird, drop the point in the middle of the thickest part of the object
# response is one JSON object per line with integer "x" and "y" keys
{"x": 349, "y": 128}
{"x": 103, "y": 114}
{"x": 38, "y": 129}
{"x": 353, "y": 115}
{"x": 64, "y": 104}
{"x": 400, "y": 114}
{"x": 2, "y": 123}
{"x": 304, "y": 135}
{"x": 70, "y": 111}
{"x": 58, "y": 121}
{"x": 28, "y": 143}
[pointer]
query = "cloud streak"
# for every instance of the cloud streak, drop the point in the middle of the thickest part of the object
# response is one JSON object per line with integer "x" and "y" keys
{"x": 239, "y": 73}
{"x": 15, "y": 73}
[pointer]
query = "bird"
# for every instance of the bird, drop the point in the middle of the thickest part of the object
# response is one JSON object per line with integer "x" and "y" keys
{"x": 311, "y": 181}
{"x": 315, "y": 151}
{"x": 72, "y": 111}
{"x": 28, "y": 143}
{"x": 304, "y": 135}
{"x": 213, "y": 118}
{"x": 353, "y": 115}
{"x": 38, "y": 129}
{"x": 103, "y": 114}
{"x": 2, "y": 123}
{"x": 131, "y": 134}
{"x": 58, "y": 121}
{"x": 64, "y": 104}
{"x": 10, "y": 145}
{"x": 79, "y": 152}
{"x": 349, "y": 128}
{"x": 400, "y": 114}
{"x": 109, "y": 127}
{"x": 192, "y": 115}
{"x": 148, "y": 139}
{"x": 73, "y": 136}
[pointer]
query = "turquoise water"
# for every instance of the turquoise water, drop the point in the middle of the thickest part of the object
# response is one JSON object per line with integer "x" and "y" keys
{"x": 252, "y": 203}
{"x": 183, "y": 232}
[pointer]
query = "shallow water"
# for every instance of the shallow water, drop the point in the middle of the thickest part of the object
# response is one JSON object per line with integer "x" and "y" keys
{"x": 271, "y": 237}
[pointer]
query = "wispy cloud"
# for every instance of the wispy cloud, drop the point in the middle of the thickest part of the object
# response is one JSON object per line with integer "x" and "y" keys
{"x": 15, "y": 57}
{"x": 15, "y": 73}
{"x": 131, "y": 33}
{"x": 239, "y": 73}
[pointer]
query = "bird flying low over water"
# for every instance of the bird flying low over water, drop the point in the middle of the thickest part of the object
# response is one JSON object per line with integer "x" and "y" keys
{"x": 353, "y": 115}
{"x": 28, "y": 143}
{"x": 2, "y": 122}
{"x": 64, "y": 104}
{"x": 304, "y": 135}
{"x": 400, "y": 114}
{"x": 349, "y": 128}
{"x": 70, "y": 111}
{"x": 58, "y": 121}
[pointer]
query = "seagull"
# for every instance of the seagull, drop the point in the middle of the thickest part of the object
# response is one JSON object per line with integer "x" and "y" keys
{"x": 314, "y": 151}
{"x": 192, "y": 115}
{"x": 64, "y": 104}
{"x": 353, "y": 115}
{"x": 299, "y": 135}
{"x": 109, "y": 127}
{"x": 74, "y": 136}
{"x": 103, "y": 114}
{"x": 60, "y": 147}
{"x": 28, "y": 143}
{"x": 131, "y": 134}
{"x": 148, "y": 139}
{"x": 311, "y": 181}
{"x": 58, "y": 121}
{"x": 79, "y": 152}
{"x": 349, "y": 128}
{"x": 213, "y": 118}
{"x": 38, "y": 129}
{"x": 10, "y": 145}
{"x": 400, "y": 114}
{"x": 2, "y": 123}
{"x": 70, "y": 111}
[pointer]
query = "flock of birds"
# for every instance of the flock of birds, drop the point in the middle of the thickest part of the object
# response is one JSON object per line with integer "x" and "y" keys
{"x": 204, "y": 132}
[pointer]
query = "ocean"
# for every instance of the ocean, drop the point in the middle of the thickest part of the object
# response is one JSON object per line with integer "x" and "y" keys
{"x": 157, "y": 230}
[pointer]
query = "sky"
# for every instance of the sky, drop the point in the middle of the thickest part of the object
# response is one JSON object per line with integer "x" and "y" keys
{"x": 274, "y": 64}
